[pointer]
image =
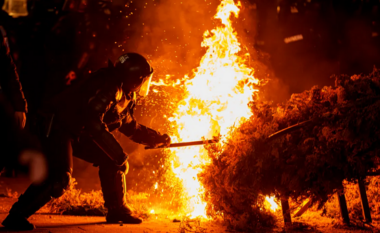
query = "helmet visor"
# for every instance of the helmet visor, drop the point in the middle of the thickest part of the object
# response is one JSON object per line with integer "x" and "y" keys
{"x": 144, "y": 89}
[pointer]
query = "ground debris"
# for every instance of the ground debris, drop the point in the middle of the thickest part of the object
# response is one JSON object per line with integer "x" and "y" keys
{"x": 76, "y": 202}
{"x": 191, "y": 225}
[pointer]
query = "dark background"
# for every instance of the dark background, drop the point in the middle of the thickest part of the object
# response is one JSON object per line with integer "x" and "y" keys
{"x": 79, "y": 36}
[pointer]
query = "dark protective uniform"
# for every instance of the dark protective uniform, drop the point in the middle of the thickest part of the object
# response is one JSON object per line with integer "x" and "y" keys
{"x": 11, "y": 99}
{"x": 79, "y": 122}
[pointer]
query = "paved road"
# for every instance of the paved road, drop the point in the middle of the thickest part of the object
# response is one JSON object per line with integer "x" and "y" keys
{"x": 58, "y": 223}
{"x": 52, "y": 223}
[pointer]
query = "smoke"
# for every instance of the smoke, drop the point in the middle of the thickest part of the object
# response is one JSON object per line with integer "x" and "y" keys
{"x": 247, "y": 26}
{"x": 170, "y": 33}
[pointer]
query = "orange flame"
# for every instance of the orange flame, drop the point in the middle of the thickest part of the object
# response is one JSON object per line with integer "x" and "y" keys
{"x": 271, "y": 204}
{"x": 216, "y": 99}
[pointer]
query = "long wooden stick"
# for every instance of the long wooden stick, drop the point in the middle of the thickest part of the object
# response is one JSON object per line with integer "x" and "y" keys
{"x": 182, "y": 144}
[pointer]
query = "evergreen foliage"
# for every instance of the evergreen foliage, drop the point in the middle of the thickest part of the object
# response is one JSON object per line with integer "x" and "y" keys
{"x": 339, "y": 142}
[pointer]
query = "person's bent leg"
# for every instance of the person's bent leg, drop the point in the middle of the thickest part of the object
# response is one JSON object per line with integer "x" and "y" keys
{"x": 112, "y": 179}
{"x": 114, "y": 188}
{"x": 35, "y": 197}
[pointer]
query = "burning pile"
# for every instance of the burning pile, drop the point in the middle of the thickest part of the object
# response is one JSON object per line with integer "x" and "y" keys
{"x": 341, "y": 142}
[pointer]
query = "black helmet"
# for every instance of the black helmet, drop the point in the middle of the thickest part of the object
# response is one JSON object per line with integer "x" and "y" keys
{"x": 135, "y": 71}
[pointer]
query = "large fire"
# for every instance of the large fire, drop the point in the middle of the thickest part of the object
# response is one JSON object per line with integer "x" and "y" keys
{"x": 216, "y": 99}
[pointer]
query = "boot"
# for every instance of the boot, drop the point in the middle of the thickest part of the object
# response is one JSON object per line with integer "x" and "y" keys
{"x": 122, "y": 214}
{"x": 114, "y": 194}
{"x": 17, "y": 223}
{"x": 28, "y": 203}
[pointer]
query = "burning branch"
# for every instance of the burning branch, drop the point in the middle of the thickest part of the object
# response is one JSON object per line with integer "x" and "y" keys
{"x": 183, "y": 144}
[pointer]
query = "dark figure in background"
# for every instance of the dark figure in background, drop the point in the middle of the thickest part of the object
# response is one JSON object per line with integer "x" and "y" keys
{"x": 13, "y": 106}
{"x": 79, "y": 122}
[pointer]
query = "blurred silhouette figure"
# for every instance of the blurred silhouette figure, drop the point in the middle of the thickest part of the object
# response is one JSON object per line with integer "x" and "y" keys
{"x": 13, "y": 106}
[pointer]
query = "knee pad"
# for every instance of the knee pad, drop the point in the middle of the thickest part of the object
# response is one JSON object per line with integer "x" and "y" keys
{"x": 60, "y": 184}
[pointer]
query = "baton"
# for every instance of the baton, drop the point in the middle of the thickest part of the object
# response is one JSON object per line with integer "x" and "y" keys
{"x": 182, "y": 144}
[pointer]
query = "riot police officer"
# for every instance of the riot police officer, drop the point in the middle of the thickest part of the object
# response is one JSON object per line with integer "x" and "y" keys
{"x": 79, "y": 122}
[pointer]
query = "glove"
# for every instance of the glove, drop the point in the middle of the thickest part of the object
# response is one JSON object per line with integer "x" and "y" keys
{"x": 163, "y": 141}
